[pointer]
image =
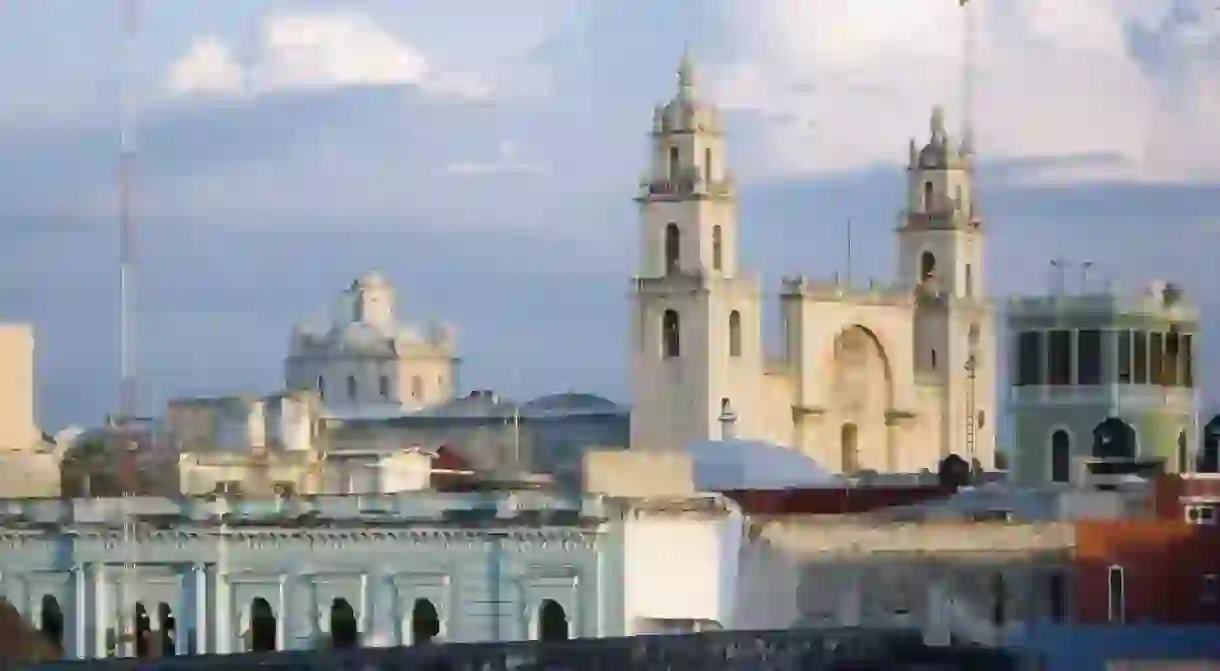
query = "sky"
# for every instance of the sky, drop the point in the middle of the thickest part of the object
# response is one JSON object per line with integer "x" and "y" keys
{"x": 483, "y": 156}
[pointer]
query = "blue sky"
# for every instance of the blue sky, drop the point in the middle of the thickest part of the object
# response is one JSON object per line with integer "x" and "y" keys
{"x": 483, "y": 157}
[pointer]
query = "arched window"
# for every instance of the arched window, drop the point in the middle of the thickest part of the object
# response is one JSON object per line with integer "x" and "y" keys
{"x": 262, "y": 626}
{"x": 717, "y": 246}
{"x": 1183, "y": 459}
{"x": 344, "y": 633}
{"x": 1114, "y": 439}
{"x": 734, "y": 334}
{"x": 321, "y": 387}
{"x": 927, "y": 196}
{"x": 673, "y": 247}
{"x": 417, "y": 387}
{"x": 552, "y": 622}
{"x": 707, "y": 166}
{"x": 169, "y": 629}
{"x": 969, "y": 280}
{"x": 351, "y": 387}
{"x": 383, "y": 386}
{"x": 52, "y": 622}
{"x": 849, "y": 451}
{"x": 674, "y": 163}
{"x": 671, "y": 335}
{"x": 425, "y": 622}
{"x": 1061, "y": 456}
{"x": 932, "y": 358}
{"x": 927, "y": 266}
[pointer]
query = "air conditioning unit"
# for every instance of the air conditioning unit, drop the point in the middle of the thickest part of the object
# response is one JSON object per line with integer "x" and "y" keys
{"x": 1201, "y": 513}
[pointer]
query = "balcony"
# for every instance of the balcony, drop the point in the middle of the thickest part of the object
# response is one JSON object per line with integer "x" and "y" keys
{"x": 690, "y": 184}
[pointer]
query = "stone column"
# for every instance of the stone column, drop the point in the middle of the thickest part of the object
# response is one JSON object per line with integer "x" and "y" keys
{"x": 80, "y": 613}
{"x": 200, "y": 615}
{"x": 103, "y": 611}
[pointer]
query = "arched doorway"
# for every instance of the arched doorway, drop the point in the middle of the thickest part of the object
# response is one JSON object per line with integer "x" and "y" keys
{"x": 1113, "y": 439}
{"x": 1061, "y": 456}
{"x": 143, "y": 627}
{"x": 849, "y": 455}
{"x": 51, "y": 622}
{"x": 1183, "y": 453}
{"x": 1209, "y": 456}
{"x": 425, "y": 622}
{"x": 168, "y": 625}
{"x": 262, "y": 626}
{"x": 344, "y": 631}
{"x": 552, "y": 622}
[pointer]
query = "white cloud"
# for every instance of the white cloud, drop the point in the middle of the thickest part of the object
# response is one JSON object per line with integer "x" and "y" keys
{"x": 316, "y": 51}
{"x": 842, "y": 85}
{"x": 508, "y": 161}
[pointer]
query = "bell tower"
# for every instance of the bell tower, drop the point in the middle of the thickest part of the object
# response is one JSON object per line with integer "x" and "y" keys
{"x": 696, "y": 320}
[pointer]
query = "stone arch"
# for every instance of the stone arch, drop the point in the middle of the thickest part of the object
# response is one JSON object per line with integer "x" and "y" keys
{"x": 425, "y": 622}
{"x": 1113, "y": 438}
{"x": 1061, "y": 455}
{"x": 927, "y": 266}
{"x": 552, "y": 621}
{"x": 261, "y": 626}
{"x": 734, "y": 333}
{"x": 859, "y": 390}
{"x": 856, "y": 339}
{"x": 344, "y": 630}
{"x": 51, "y": 621}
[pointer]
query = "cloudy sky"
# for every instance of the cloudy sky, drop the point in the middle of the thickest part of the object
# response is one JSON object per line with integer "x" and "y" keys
{"x": 482, "y": 154}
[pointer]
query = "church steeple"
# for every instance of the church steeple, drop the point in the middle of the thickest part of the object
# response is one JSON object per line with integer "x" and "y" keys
{"x": 686, "y": 73}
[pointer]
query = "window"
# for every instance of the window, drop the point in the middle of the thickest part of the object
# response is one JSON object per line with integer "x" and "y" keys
{"x": 1058, "y": 597}
{"x": 351, "y": 387}
{"x": 1123, "y": 354}
{"x": 1061, "y": 456}
{"x": 1209, "y": 591}
{"x": 716, "y": 248}
{"x": 1171, "y": 362}
{"x": 673, "y": 247}
{"x": 734, "y": 334}
{"x": 849, "y": 454}
{"x": 1118, "y": 597}
{"x": 1140, "y": 358}
{"x": 1059, "y": 354}
{"x": 707, "y": 166}
{"x": 1156, "y": 358}
{"x": 932, "y": 358}
{"x": 417, "y": 387}
{"x": 969, "y": 281}
{"x": 383, "y": 386}
{"x": 1183, "y": 460}
{"x": 1088, "y": 361}
{"x": 1029, "y": 358}
{"x": 1188, "y": 362}
{"x": 927, "y": 266}
{"x": 927, "y": 196}
{"x": 321, "y": 387}
{"x": 670, "y": 335}
{"x": 673, "y": 163}
{"x": 1201, "y": 514}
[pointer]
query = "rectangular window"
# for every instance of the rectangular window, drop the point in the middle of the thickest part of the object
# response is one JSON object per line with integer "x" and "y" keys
{"x": 1029, "y": 358}
{"x": 1140, "y": 358}
{"x": 1156, "y": 358}
{"x": 1118, "y": 597}
{"x": 1123, "y": 354}
{"x": 1088, "y": 364}
{"x": 1058, "y": 597}
{"x": 1173, "y": 359}
{"x": 1059, "y": 346}
{"x": 1188, "y": 361}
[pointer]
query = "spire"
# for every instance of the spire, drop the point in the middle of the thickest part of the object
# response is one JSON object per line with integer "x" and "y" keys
{"x": 938, "y": 123}
{"x": 686, "y": 71}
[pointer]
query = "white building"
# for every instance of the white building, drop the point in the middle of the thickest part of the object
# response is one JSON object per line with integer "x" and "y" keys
{"x": 365, "y": 359}
{"x": 887, "y": 379}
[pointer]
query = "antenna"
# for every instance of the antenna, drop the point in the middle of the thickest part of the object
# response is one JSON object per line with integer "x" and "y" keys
{"x": 1058, "y": 265}
{"x": 849, "y": 252}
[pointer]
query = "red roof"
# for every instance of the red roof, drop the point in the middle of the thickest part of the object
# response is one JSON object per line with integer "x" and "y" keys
{"x": 447, "y": 459}
{"x": 832, "y": 500}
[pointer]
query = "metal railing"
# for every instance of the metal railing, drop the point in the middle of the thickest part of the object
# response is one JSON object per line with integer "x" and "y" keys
{"x": 791, "y": 650}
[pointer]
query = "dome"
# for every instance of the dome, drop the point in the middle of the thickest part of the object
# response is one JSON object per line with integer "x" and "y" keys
{"x": 686, "y": 112}
{"x": 361, "y": 337}
{"x": 570, "y": 403}
{"x": 371, "y": 280}
{"x": 745, "y": 464}
{"x": 941, "y": 151}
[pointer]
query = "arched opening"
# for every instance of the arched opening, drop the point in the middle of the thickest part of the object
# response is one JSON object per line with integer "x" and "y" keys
{"x": 675, "y": 165}
{"x": 969, "y": 280}
{"x": 707, "y": 165}
{"x": 1113, "y": 439}
{"x": 425, "y": 622}
{"x": 169, "y": 629}
{"x": 344, "y": 632}
{"x": 321, "y": 387}
{"x": 143, "y": 627}
{"x": 552, "y": 622}
{"x": 417, "y": 387}
{"x": 849, "y": 450}
{"x": 1209, "y": 456}
{"x": 717, "y": 246}
{"x": 671, "y": 335}
{"x": 673, "y": 248}
{"x": 383, "y": 386}
{"x": 1183, "y": 457}
{"x": 927, "y": 196}
{"x": 52, "y": 622}
{"x": 1061, "y": 456}
{"x": 734, "y": 334}
{"x": 262, "y": 626}
{"x": 351, "y": 387}
{"x": 927, "y": 266}
{"x": 953, "y": 472}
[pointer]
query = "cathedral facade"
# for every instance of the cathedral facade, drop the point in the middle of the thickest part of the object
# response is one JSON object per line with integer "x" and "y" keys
{"x": 886, "y": 379}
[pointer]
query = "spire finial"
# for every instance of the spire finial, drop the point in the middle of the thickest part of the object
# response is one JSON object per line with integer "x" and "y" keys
{"x": 686, "y": 69}
{"x": 938, "y": 122}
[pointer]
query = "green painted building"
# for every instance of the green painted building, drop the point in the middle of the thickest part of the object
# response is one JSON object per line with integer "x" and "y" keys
{"x": 1102, "y": 377}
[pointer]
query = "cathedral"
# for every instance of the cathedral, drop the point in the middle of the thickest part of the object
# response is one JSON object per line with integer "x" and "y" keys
{"x": 885, "y": 379}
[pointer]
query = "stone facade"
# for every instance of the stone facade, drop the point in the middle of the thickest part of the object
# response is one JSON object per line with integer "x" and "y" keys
{"x": 1080, "y": 361}
{"x": 885, "y": 379}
